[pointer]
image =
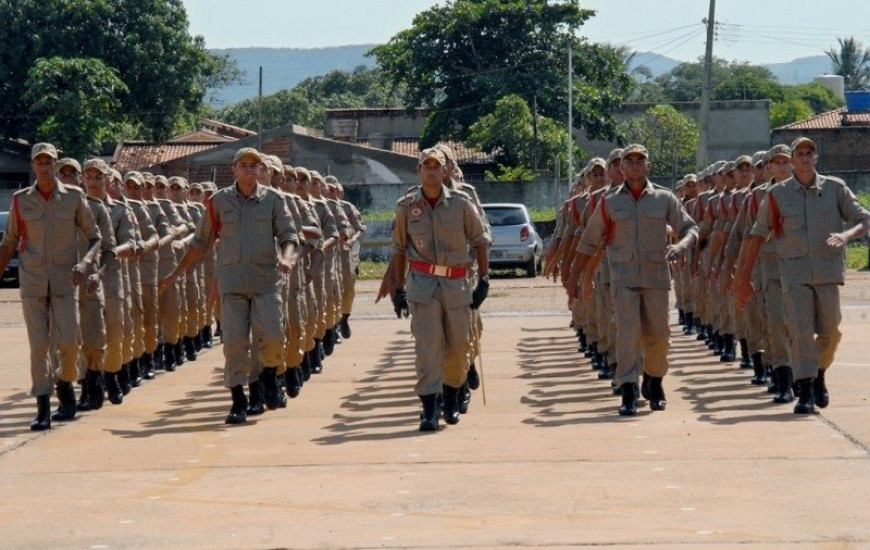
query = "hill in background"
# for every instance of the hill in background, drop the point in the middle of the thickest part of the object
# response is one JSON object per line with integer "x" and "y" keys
{"x": 286, "y": 67}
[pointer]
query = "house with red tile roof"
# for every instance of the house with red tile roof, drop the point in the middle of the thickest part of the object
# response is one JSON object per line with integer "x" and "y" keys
{"x": 842, "y": 138}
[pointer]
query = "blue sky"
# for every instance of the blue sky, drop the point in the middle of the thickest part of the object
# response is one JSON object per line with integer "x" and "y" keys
{"x": 759, "y": 31}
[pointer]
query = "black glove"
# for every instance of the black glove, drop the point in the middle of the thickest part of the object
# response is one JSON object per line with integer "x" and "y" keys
{"x": 400, "y": 303}
{"x": 480, "y": 292}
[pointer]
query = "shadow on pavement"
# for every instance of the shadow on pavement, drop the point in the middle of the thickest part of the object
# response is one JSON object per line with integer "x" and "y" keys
{"x": 383, "y": 404}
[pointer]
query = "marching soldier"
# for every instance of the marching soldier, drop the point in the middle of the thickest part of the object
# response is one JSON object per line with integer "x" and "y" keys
{"x": 42, "y": 227}
{"x": 256, "y": 248}
{"x": 435, "y": 230}
{"x": 805, "y": 214}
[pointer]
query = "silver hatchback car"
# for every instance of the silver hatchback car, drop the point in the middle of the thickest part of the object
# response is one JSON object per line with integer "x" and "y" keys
{"x": 515, "y": 243}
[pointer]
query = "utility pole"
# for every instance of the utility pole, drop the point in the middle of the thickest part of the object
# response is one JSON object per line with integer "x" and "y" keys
{"x": 535, "y": 129}
{"x": 570, "y": 173}
{"x": 704, "y": 119}
{"x": 260, "y": 113}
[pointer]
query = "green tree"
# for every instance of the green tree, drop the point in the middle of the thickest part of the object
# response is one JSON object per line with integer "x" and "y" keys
{"x": 460, "y": 57}
{"x": 745, "y": 81}
{"x": 819, "y": 97}
{"x": 77, "y": 102}
{"x": 147, "y": 43}
{"x": 508, "y": 132}
{"x": 670, "y": 137}
{"x": 852, "y": 62}
{"x": 306, "y": 103}
{"x": 788, "y": 111}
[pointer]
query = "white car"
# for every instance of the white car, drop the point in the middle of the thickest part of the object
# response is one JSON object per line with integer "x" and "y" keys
{"x": 515, "y": 243}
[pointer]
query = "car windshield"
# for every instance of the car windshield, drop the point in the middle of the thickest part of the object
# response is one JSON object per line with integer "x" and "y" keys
{"x": 505, "y": 216}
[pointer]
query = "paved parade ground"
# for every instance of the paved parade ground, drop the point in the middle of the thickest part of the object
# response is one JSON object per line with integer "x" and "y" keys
{"x": 546, "y": 463}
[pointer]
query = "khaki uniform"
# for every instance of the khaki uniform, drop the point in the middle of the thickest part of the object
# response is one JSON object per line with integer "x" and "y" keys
{"x": 348, "y": 262}
{"x": 44, "y": 233}
{"x": 92, "y": 304}
{"x": 345, "y": 229}
{"x": 149, "y": 227}
{"x": 634, "y": 232}
{"x": 440, "y": 317}
{"x": 602, "y": 307}
{"x": 170, "y": 299}
{"x": 250, "y": 231}
{"x": 295, "y": 309}
{"x": 118, "y": 329}
{"x": 800, "y": 219}
{"x": 323, "y": 279}
{"x": 701, "y": 284}
{"x": 753, "y": 325}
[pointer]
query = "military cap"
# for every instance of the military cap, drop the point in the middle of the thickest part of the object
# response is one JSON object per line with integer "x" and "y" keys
{"x": 196, "y": 185}
{"x": 729, "y": 167}
{"x": 247, "y": 152}
{"x": 596, "y": 161}
{"x": 135, "y": 177}
{"x": 758, "y": 158}
{"x": 303, "y": 173}
{"x": 115, "y": 174}
{"x": 274, "y": 163}
{"x": 161, "y": 181}
{"x": 315, "y": 175}
{"x": 779, "y": 150}
{"x": 743, "y": 159}
{"x": 803, "y": 140}
{"x": 331, "y": 180}
{"x": 43, "y": 149}
{"x": 616, "y": 154}
{"x": 98, "y": 164}
{"x": 680, "y": 183}
{"x": 448, "y": 152}
{"x": 178, "y": 180}
{"x": 432, "y": 153}
{"x": 289, "y": 171}
{"x": 66, "y": 161}
{"x": 635, "y": 148}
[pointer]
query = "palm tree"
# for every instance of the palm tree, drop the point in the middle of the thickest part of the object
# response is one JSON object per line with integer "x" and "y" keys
{"x": 851, "y": 62}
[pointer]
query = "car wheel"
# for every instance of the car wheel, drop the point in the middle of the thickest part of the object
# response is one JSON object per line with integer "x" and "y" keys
{"x": 532, "y": 268}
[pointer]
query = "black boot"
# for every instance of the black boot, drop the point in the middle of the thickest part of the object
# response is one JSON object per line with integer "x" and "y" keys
{"x": 256, "y": 405}
{"x": 293, "y": 381}
{"x": 607, "y": 372}
{"x": 95, "y": 390}
{"x": 473, "y": 379}
{"x": 197, "y": 342}
{"x": 306, "y": 367}
{"x": 629, "y": 399}
{"x": 772, "y": 384}
{"x": 124, "y": 379}
{"x": 135, "y": 372}
{"x": 597, "y": 360}
{"x": 644, "y": 386}
{"x": 329, "y": 341}
{"x": 271, "y": 391}
{"x": 429, "y": 418}
{"x": 83, "y": 403}
{"x": 784, "y": 381}
{"x": 591, "y": 349}
{"x": 806, "y": 399}
{"x": 689, "y": 327}
{"x": 218, "y": 333}
{"x": 820, "y": 390}
{"x": 157, "y": 360}
{"x": 42, "y": 420}
{"x": 316, "y": 364}
{"x": 718, "y": 344}
{"x": 702, "y": 331}
{"x": 146, "y": 366}
{"x": 238, "y": 412}
{"x": 344, "y": 326}
{"x": 169, "y": 357}
{"x": 581, "y": 341}
{"x": 178, "y": 352}
{"x": 729, "y": 353}
{"x": 759, "y": 379}
{"x": 66, "y": 394}
{"x": 464, "y": 398}
{"x": 451, "y": 404}
{"x": 745, "y": 360}
{"x": 207, "y": 339}
{"x": 681, "y": 317}
{"x": 113, "y": 388}
{"x": 657, "y": 400}
{"x": 189, "y": 348}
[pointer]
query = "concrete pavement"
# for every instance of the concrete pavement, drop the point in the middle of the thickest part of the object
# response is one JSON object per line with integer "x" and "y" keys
{"x": 546, "y": 463}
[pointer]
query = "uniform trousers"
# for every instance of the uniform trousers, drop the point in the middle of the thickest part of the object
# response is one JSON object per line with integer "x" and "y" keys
{"x": 348, "y": 282}
{"x": 93, "y": 330}
{"x": 247, "y": 318}
{"x": 644, "y": 334}
{"x": 115, "y": 333}
{"x": 294, "y": 300}
{"x": 441, "y": 343}
{"x": 57, "y": 316}
{"x": 150, "y": 317}
{"x": 777, "y": 334}
{"x": 812, "y": 313}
